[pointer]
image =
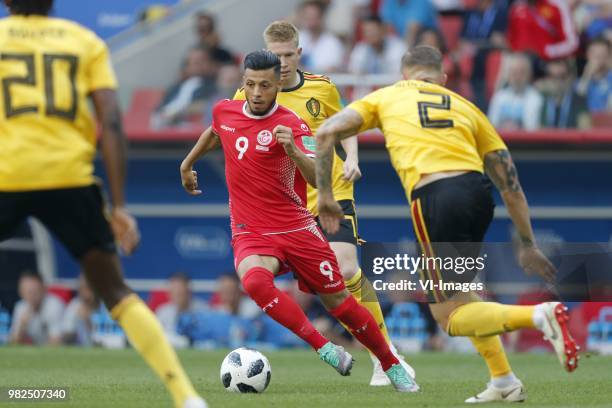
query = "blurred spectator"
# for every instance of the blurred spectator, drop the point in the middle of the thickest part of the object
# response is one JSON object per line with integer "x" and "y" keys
{"x": 518, "y": 105}
{"x": 483, "y": 31}
{"x": 230, "y": 299}
{"x": 596, "y": 81}
{"x": 342, "y": 17}
{"x": 229, "y": 78}
{"x": 594, "y": 18}
{"x": 378, "y": 52}
{"x": 77, "y": 327}
{"x": 408, "y": 17}
{"x": 543, "y": 27}
{"x": 185, "y": 97}
{"x": 209, "y": 39}
{"x": 37, "y": 318}
{"x": 322, "y": 52}
{"x": 181, "y": 301}
{"x": 452, "y": 69}
{"x": 562, "y": 106}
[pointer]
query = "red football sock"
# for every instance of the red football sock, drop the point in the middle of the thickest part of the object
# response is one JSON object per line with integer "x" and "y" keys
{"x": 259, "y": 284}
{"x": 364, "y": 328}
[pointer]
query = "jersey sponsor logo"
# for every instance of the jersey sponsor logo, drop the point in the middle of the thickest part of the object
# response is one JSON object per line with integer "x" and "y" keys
{"x": 309, "y": 143}
{"x": 332, "y": 285}
{"x": 314, "y": 107}
{"x": 304, "y": 127}
{"x": 264, "y": 137}
{"x": 227, "y": 128}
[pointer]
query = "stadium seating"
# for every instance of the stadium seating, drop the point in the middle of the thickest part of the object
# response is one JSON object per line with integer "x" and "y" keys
{"x": 406, "y": 327}
{"x": 214, "y": 329}
{"x": 270, "y": 334}
{"x": 106, "y": 332}
{"x": 600, "y": 332}
{"x": 601, "y": 120}
{"x": 144, "y": 102}
{"x": 450, "y": 27}
{"x": 5, "y": 325}
{"x": 157, "y": 297}
{"x": 494, "y": 61}
{"x": 62, "y": 292}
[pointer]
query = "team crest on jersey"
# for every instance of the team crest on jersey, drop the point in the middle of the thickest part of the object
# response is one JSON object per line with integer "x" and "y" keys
{"x": 313, "y": 106}
{"x": 264, "y": 137}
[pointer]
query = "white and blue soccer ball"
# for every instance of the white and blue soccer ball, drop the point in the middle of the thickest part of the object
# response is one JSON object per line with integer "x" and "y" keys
{"x": 245, "y": 370}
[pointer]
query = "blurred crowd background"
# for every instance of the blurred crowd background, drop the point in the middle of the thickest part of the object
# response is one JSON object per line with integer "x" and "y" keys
{"x": 529, "y": 64}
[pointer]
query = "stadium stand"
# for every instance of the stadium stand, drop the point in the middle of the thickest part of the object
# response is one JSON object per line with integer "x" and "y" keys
{"x": 600, "y": 332}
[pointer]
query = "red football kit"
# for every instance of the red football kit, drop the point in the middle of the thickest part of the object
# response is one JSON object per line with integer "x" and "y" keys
{"x": 269, "y": 217}
{"x": 268, "y": 194}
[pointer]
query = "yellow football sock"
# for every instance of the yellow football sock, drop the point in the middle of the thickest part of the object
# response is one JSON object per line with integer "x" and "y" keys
{"x": 361, "y": 288}
{"x": 489, "y": 318}
{"x": 492, "y": 350}
{"x": 147, "y": 337}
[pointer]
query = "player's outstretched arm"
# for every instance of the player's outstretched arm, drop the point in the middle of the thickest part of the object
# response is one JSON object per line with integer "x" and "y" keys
{"x": 208, "y": 141}
{"x": 500, "y": 168}
{"x": 344, "y": 124}
{"x": 114, "y": 152}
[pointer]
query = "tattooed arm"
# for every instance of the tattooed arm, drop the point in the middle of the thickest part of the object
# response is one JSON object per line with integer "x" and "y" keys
{"x": 501, "y": 170}
{"x": 344, "y": 124}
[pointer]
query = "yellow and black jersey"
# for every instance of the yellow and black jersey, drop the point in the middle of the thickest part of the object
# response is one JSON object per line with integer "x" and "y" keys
{"x": 48, "y": 67}
{"x": 314, "y": 99}
{"x": 428, "y": 129}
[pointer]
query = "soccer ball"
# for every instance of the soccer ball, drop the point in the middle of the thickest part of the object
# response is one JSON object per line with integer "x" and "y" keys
{"x": 245, "y": 370}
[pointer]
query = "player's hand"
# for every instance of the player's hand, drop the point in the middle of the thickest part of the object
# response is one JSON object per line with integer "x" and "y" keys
{"x": 532, "y": 260}
{"x": 352, "y": 172}
{"x": 125, "y": 230}
{"x": 189, "y": 178}
{"x": 330, "y": 214}
{"x": 284, "y": 136}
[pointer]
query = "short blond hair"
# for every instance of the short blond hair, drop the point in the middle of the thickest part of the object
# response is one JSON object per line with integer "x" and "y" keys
{"x": 281, "y": 31}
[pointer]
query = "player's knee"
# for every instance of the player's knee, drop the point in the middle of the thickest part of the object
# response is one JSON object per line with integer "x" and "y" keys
{"x": 346, "y": 254}
{"x": 441, "y": 314}
{"x": 333, "y": 300}
{"x": 348, "y": 269}
{"x": 256, "y": 280}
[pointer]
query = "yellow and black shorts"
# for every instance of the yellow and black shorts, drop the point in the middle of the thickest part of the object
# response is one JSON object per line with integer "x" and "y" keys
{"x": 450, "y": 219}
{"x": 348, "y": 231}
{"x": 76, "y": 216}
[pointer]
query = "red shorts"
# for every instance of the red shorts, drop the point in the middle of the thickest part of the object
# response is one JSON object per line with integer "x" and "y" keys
{"x": 305, "y": 252}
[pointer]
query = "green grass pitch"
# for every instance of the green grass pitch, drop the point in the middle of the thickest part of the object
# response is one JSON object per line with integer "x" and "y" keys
{"x": 118, "y": 378}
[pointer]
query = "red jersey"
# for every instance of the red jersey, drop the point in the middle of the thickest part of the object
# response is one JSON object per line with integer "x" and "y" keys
{"x": 546, "y": 29}
{"x": 266, "y": 189}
